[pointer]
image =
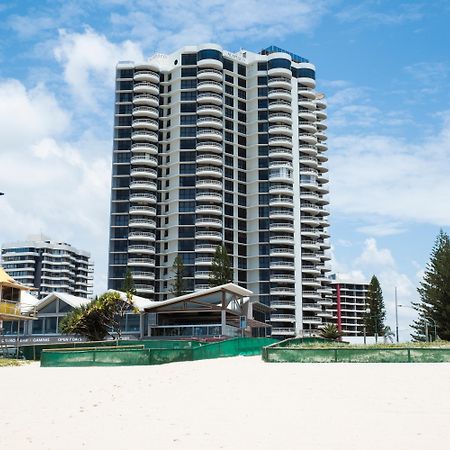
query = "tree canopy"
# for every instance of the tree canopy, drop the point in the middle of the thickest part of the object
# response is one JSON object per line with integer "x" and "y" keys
{"x": 178, "y": 283}
{"x": 434, "y": 291}
{"x": 221, "y": 272}
{"x": 376, "y": 313}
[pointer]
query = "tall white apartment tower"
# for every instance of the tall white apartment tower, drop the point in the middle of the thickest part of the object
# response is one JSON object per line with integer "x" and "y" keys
{"x": 213, "y": 147}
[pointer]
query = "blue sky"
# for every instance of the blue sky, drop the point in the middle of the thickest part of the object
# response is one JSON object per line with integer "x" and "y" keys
{"x": 384, "y": 67}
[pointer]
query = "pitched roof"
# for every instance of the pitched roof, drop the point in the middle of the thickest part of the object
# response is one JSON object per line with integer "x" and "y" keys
{"x": 7, "y": 280}
{"x": 139, "y": 302}
{"x": 71, "y": 300}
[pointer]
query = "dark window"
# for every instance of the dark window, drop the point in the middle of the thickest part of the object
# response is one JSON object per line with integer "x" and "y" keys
{"x": 279, "y": 63}
{"x": 229, "y": 113}
{"x": 229, "y": 136}
{"x": 229, "y": 197}
{"x": 188, "y": 107}
{"x": 187, "y": 181}
{"x": 263, "y": 139}
{"x": 228, "y": 160}
{"x": 123, "y": 97}
{"x": 188, "y": 120}
{"x": 187, "y": 143}
{"x": 187, "y": 156}
{"x": 188, "y": 131}
{"x": 189, "y": 84}
{"x": 124, "y": 109}
{"x": 242, "y": 94}
{"x": 304, "y": 73}
{"x": 228, "y": 172}
{"x": 188, "y": 95}
{"x": 189, "y": 72}
{"x": 262, "y": 115}
{"x": 229, "y": 89}
{"x": 187, "y": 194}
{"x": 187, "y": 232}
{"x": 242, "y": 140}
{"x": 228, "y": 124}
{"x": 262, "y": 92}
{"x": 242, "y": 105}
{"x": 262, "y": 81}
{"x": 209, "y": 54}
{"x": 189, "y": 59}
{"x": 187, "y": 168}
{"x": 125, "y": 73}
{"x": 241, "y": 70}
{"x": 228, "y": 65}
{"x": 242, "y": 117}
{"x": 229, "y": 150}
{"x": 186, "y": 219}
{"x": 229, "y": 101}
{"x": 262, "y": 104}
{"x": 262, "y": 66}
{"x": 229, "y": 185}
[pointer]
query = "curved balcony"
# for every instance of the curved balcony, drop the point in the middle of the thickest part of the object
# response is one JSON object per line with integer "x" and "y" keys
{"x": 281, "y": 201}
{"x": 143, "y": 135}
{"x": 208, "y": 209}
{"x": 143, "y": 172}
{"x": 209, "y": 97}
{"x": 307, "y": 114}
{"x": 306, "y": 160}
{"x": 146, "y": 100}
{"x": 208, "y": 196}
{"x": 281, "y": 117}
{"x": 142, "y": 223}
{"x": 282, "y": 290}
{"x": 282, "y": 265}
{"x": 146, "y": 75}
{"x": 142, "y": 211}
{"x": 279, "y": 82}
{"x": 145, "y": 87}
{"x": 209, "y": 184}
{"x": 282, "y": 129}
{"x": 309, "y": 220}
{"x": 144, "y": 185}
{"x": 143, "y": 197}
{"x": 321, "y": 147}
{"x": 280, "y": 105}
{"x": 310, "y": 245}
{"x": 307, "y": 149}
{"x": 308, "y": 138}
{"x": 208, "y": 222}
{"x": 311, "y": 294}
{"x": 321, "y": 126}
{"x": 312, "y": 196}
{"x": 145, "y": 111}
{"x": 282, "y": 304}
{"x": 211, "y": 171}
{"x": 209, "y": 133}
{"x": 308, "y": 82}
{"x": 143, "y": 275}
{"x": 282, "y": 94}
{"x": 142, "y": 249}
{"x": 206, "y": 248}
{"x": 310, "y": 232}
{"x": 144, "y": 289}
{"x": 202, "y": 274}
{"x": 310, "y": 269}
{"x": 209, "y": 110}
{"x": 141, "y": 262}
{"x": 144, "y": 160}
{"x": 280, "y": 165}
{"x": 144, "y": 147}
{"x": 322, "y": 158}
{"x": 210, "y": 85}
{"x": 280, "y": 175}
{"x": 321, "y": 115}
{"x": 280, "y": 189}
{"x": 307, "y": 92}
{"x": 325, "y": 245}
{"x": 311, "y": 282}
{"x": 282, "y": 318}
{"x": 281, "y": 213}
{"x": 205, "y": 121}
{"x": 210, "y": 64}
{"x": 308, "y": 171}
{"x": 310, "y": 258}
{"x": 281, "y": 226}
{"x": 283, "y": 141}
{"x": 210, "y": 74}
{"x": 141, "y": 236}
{"x": 281, "y": 239}
{"x": 282, "y": 252}
{"x": 210, "y": 146}
{"x": 280, "y": 152}
{"x": 209, "y": 159}
{"x": 148, "y": 124}
{"x": 306, "y": 126}
{"x": 209, "y": 235}
{"x": 203, "y": 260}
{"x": 279, "y": 72}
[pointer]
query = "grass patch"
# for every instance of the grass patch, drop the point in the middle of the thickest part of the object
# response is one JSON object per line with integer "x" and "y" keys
{"x": 6, "y": 362}
{"x": 330, "y": 344}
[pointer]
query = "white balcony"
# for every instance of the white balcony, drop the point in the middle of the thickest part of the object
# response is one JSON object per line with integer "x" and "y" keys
{"x": 203, "y": 274}
{"x": 280, "y": 129}
{"x": 203, "y": 260}
{"x": 285, "y": 239}
{"x": 143, "y": 135}
{"x": 307, "y": 114}
{"x": 280, "y": 189}
{"x": 282, "y": 94}
{"x": 206, "y": 121}
{"x": 209, "y": 110}
{"x": 280, "y": 105}
{"x": 209, "y": 235}
{"x": 146, "y": 100}
{"x": 279, "y": 72}
{"x": 210, "y": 85}
{"x": 144, "y": 147}
{"x": 141, "y": 262}
{"x": 210, "y": 159}
{"x": 143, "y": 172}
{"x": 144, "y": 289}
{"x": 141, "y": 249}
{"x": 282, "y": 265}
{"x": 146, "y": 75}
{"x": 210, "y": 97}
{"x": 142, "y": 223}
{"x": 145, "y": 87}
{"x": 143, "y": 197}
{"x": 281, "y": 213}
{"x": 210, "y": 146}
{"x": 208, "y": 196}
{"x": 210, "y": 74}
{"x": 208, "y": 222}
{"x": 281, "y": 201}
{"x": 279, "y": 82}
{"x": 141, "y": 236}
{"x": 211, "y": 171}
{"x": 282, "y": 304}
{"x": 281, "y": 226}
{"x": 208, "y": 209}
{"x": 282, "y": 141}
{"x": 148, "y": 124}
{"x": 311, "y": 282}
{"x": 307, "y": 138}
{"x": 206, "y": 248}
{"x": 209, "y": 64}
{"x": 209, "y": 133}
{"x": 145, "y": 111}
{"x": 282, "y": 278}
{"x": 281, "y": 117}
{"x": 310, "y": 269}
{"x": 282, "y": 331}
{"x": 147, "y": 185}
{"x": 311, "y": 307}
{"x": 311, "y": 245}
{"x": 209, "y": 184}
{"x": 282, "y": 290}
{"x": 306, "y": 126}
{"x": 282, "y": 252}
{"x": 280, "y": 152}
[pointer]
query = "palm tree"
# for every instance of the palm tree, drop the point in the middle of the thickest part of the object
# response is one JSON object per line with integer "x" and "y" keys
{"x": 330, "y": 331}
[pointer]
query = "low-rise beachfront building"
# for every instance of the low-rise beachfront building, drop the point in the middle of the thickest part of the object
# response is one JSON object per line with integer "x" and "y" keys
{"x": 49, "y": 266}
{"x": 349, "y": 306}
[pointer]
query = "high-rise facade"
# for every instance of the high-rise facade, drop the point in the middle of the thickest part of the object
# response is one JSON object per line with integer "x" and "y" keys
{"x": 213, "y": 147}
{"x": 49, "y": 266}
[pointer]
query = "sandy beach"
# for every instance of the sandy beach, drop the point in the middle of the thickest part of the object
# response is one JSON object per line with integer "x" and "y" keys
{"x": 229, "y": 403}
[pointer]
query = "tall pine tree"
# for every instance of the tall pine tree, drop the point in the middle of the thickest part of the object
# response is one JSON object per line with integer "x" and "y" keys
{"x": 374, "y": 317}
{"x": 434, "y": 291}
{"x": 178, "y": 286}
{"x": 220, "y": 267}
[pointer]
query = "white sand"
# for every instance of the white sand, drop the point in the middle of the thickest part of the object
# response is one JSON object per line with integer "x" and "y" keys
{"x": 230, "y": 403}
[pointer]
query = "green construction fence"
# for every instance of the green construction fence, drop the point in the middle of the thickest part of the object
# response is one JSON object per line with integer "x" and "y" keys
{"x": 147, "y": 352}
{"x": 276, "y": 353}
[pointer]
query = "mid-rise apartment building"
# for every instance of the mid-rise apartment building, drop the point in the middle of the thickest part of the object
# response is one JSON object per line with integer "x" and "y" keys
{"x": 349, "y": 306}
{"x": 213, "y": 147}
{"x": 49, "y": 266}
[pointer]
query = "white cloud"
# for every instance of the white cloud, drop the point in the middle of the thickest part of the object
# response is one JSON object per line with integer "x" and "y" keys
{"x": 382, "y": 229}
{"x": 51, "y": 184}
{"x": 395, "y": 180}
{"x": 373, "y": 256}
{"x": 89, "y": 59}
